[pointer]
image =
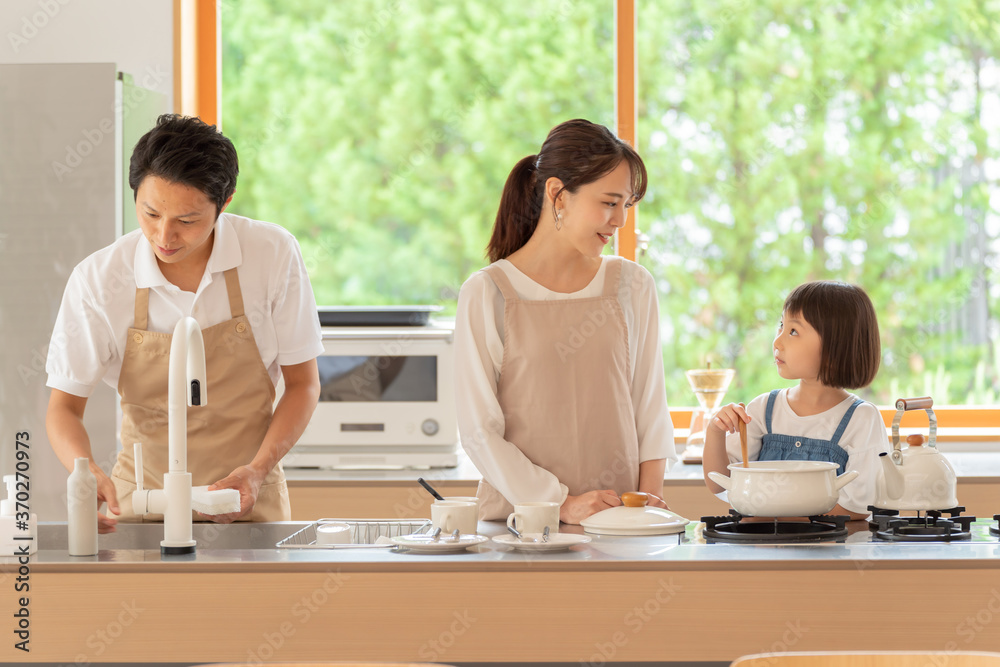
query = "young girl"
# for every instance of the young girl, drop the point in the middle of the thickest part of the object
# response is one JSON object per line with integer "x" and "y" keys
{"x": 827, "y": 340}
{"x": 559, "y": 375}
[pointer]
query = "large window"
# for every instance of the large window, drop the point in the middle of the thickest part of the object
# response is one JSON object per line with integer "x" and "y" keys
{"x": 381, "y": 132}
{"x": 787, "y": 141}
{"x": 794, "y": 141}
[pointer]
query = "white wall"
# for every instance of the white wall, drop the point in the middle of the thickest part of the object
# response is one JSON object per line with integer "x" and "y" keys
{"x": 137, "y": 35}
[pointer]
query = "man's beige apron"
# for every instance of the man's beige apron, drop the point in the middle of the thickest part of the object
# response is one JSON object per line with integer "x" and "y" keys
{"x": 565, "y": 390}
{"x": 223, "y": 434}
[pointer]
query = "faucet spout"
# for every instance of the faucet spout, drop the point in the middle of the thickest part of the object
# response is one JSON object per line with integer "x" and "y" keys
{"x": 186, "y": 386}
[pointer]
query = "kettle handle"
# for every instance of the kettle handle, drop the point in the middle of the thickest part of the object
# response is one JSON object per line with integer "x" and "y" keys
{"x": 904, "y": 404}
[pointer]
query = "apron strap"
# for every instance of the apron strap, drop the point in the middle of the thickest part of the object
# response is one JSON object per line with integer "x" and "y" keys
{"x": 502, "y": 282}
{"x": 770, "y": 408}
{"x": 613, "y": 276}
{"x": 843, "y": 422}
{"x": 141, "y": 308}
{"x": 235, "y": 294}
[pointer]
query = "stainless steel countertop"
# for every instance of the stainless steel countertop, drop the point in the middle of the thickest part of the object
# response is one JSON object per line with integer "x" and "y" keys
{"x": 604, "y": 553}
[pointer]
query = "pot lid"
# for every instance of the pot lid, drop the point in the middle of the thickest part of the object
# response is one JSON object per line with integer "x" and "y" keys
{"x": 635, "y": 520}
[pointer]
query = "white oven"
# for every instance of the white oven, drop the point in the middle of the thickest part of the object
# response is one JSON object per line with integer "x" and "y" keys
{"x": 387, "y": 400}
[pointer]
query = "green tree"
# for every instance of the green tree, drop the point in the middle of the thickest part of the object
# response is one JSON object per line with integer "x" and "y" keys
{"x": 791, "y": 140}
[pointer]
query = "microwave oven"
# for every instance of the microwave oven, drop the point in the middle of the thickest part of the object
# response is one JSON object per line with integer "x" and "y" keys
{"x": 387, "y": 400}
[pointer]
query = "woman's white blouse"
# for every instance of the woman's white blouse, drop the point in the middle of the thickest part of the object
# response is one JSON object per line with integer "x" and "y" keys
{"x": 479, "y": 355}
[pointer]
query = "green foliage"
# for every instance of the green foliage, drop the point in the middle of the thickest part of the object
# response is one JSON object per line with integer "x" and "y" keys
{"x": 786, "y": 141}
{"x": 791, "y": 140}
{"x": 393, "y": 126}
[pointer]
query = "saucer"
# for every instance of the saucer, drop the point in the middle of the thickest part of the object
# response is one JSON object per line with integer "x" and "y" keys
{"x": 423, "y": 544}
{"x": 557, "y": 542}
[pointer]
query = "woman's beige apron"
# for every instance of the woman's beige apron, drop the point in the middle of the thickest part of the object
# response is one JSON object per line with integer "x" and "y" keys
{"x": 565, "y": 391}
{"x": 223, "y": 434}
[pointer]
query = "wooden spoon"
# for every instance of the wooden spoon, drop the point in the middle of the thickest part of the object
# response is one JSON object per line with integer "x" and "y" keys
{"x": 743, "y": 439}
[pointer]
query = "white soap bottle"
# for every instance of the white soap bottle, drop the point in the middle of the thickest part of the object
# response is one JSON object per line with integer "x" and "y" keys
{"x": 81, "y": 500}
{"x": 17, "y": 537}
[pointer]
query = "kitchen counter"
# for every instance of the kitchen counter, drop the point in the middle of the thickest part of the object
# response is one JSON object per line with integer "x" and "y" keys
{"x": 614, "y": 599}
{"x": 395, "y": 493}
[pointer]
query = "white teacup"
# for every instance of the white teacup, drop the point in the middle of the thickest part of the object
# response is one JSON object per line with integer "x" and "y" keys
{"x": 333, "y": 533}
{"x": 465, "y": 499}
{"x": 534, "y": 517}
{"x": 451, "y": 514}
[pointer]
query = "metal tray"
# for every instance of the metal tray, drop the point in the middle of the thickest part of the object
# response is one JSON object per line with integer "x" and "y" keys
{"x": 375, "y": 316}
{"x": 364, "y": 532}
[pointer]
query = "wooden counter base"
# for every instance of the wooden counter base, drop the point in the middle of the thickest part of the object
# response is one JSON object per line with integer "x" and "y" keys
{"x": 593, "y": 617}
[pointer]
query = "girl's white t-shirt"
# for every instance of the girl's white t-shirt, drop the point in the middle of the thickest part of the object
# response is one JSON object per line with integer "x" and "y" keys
{"x": 864, "y": 439}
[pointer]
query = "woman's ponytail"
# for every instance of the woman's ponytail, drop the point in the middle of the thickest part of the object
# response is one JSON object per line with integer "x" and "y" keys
{"x": 576, "y": 152}
{"x": 518, "y": 212}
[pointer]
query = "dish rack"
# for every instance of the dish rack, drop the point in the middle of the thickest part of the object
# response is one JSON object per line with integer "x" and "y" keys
{"x": 364, "y": 533}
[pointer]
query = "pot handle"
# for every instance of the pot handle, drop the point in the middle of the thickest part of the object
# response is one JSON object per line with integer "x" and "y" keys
{"x": 723, "y": 481}
{"x": 842, "y": 480}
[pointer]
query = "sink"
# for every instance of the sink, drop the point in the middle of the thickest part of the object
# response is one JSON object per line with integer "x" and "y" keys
{"x": 144, "y": 536}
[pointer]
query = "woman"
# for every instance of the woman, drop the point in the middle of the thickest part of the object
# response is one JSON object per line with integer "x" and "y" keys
{"x": 559, "y": 371}
{"x": 242, "y": 280}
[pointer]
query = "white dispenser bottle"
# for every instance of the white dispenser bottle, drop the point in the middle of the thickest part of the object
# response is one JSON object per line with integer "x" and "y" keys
{"x": 81, "y": 499}
{"x": 17, "y": 536}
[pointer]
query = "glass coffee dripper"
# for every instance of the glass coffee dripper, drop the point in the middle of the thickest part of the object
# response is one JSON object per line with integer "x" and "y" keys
{"x": 709, "y": 385}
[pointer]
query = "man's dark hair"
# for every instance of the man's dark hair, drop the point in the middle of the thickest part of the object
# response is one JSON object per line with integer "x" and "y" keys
{"x": 186, "y": 150}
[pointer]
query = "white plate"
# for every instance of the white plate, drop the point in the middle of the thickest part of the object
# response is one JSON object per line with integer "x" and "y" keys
{"x": 557, "y": 542}
{"x": 422, "y": 544}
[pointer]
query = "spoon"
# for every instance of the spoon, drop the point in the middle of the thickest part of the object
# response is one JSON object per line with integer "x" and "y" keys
{"x": 743, "y": 439}
{"x": 545, "y": 534}
{"x": 516, "y": 533}
{"x": 430, "y": 489}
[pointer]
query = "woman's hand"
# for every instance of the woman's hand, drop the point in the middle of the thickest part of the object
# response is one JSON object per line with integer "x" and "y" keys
{"x": 105, "y": 494}
{"x": 728, "y": 418}
{"x": 247, "y": 481}
{"x": 577, "y": 508}
{"x": 653, "y": 500}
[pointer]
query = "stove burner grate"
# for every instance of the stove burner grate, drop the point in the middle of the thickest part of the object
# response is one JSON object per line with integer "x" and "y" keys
{"x": 888, "y": 525}
{"x": 732, "y": 528}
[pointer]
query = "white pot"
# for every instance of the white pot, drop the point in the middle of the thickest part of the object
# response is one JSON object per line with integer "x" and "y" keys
{"x": 783, "y": 488}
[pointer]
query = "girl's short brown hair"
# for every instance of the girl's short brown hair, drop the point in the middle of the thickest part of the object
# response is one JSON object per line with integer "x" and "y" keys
{"x": 844, "y": 317}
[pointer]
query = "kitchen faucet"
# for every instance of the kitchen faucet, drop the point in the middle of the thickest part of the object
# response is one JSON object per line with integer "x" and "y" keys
{"x": 186, "y": 386}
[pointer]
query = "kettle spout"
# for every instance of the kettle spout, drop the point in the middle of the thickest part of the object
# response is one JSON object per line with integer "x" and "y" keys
{"x": 893, "y": 477}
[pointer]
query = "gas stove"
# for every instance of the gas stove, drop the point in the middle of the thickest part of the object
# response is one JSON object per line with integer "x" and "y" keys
{"x": 736, "y": 528}
{"x": 932, "y": 526}
{"x": 885, "y": 527}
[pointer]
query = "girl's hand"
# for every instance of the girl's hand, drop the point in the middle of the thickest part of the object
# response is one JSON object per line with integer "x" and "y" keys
{"x": 728, "y": 418}
{"x": 577, "y": 508}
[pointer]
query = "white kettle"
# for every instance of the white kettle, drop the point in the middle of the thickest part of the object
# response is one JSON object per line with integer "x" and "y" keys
{"x": 917, "y": 477}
